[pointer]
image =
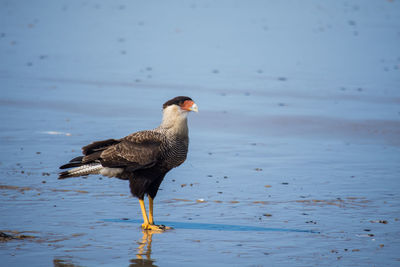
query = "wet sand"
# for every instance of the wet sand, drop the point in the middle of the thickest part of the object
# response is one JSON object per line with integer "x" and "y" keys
{"x": 294, "y": 155}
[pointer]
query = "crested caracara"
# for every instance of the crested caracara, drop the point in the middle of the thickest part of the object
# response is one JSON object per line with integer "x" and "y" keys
{"x": 143, "y": 158}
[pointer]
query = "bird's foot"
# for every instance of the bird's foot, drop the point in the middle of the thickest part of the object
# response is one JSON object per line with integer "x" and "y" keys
{"x": 154, "y": 227}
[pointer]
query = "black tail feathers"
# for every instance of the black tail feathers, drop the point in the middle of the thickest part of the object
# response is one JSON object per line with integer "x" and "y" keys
{"x": 75, "y": 162}
{"x": 63, "y": 175}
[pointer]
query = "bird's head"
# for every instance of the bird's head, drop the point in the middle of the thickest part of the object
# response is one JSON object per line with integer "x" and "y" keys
{"x": 184, "y": 103}
{"x": 175, "y": 112}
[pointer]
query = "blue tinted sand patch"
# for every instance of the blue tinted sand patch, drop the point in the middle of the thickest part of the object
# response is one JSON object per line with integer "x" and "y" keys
{"x": 215, "y": 227}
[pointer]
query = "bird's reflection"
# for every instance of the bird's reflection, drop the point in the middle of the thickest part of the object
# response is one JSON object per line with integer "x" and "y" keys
{"x": 143, "y": 255}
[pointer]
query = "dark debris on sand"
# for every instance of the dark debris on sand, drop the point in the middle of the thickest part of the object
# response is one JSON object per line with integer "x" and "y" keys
{"x": 8, "y": 237}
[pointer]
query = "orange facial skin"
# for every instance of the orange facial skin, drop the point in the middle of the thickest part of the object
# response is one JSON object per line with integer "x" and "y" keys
{"x": 189, "y": 105}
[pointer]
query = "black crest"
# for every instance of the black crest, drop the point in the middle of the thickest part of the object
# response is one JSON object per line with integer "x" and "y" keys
{"x": 176, "y": 101}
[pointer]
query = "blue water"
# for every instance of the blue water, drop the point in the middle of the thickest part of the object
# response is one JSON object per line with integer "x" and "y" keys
{"x": 213, "y": 226}
{"x": 297, "y": 134}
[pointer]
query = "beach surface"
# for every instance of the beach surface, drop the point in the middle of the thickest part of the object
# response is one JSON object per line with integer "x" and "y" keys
{"x": 294, "y": 156}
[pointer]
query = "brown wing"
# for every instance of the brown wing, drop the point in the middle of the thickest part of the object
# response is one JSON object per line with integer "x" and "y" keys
{"x": 98, "y": 146}
{"x": 136, "y": 151}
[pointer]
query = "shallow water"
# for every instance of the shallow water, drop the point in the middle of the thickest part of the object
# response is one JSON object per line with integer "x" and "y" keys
{"x": 294, "y": 155}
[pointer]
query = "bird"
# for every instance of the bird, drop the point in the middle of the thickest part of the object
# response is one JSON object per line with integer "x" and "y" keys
{"x": 143, "y": 158}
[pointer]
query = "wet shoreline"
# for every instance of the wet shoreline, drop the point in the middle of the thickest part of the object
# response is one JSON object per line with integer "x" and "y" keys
{"x": 293, "y": 158}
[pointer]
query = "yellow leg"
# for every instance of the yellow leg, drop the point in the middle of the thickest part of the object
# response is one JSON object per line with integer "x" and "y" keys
{"x": 144, "y": 213}
{"x": 151, "y": 218}
{"x": 148, "y": 222}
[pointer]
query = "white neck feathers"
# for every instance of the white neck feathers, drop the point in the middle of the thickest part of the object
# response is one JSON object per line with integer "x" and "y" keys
{"x": 175, "y": 120}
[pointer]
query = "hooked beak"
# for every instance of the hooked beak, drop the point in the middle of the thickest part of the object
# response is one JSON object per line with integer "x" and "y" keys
{"x": 194, "y": 108}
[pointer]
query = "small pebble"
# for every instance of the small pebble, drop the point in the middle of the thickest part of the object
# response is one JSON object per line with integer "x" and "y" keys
{"x": 311, "y": 222}
{"x": 379, "y": 221}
